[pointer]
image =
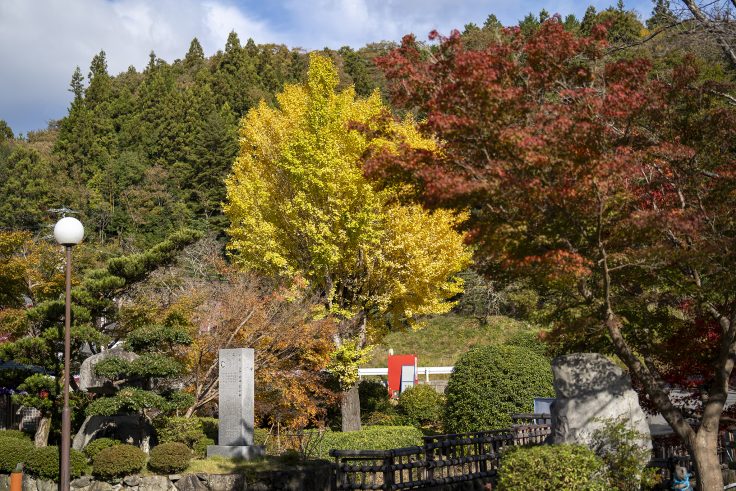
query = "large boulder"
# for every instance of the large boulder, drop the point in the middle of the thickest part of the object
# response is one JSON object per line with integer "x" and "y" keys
{"x": 590, "y": 389}
{"x": 90, "y": 382}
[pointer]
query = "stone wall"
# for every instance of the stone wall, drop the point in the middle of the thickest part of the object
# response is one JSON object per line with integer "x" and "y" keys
{"x": 298, "y": 478}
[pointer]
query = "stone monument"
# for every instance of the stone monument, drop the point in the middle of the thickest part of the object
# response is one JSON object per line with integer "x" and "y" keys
{"x": 591, "y": 389}
{"x": 235, "y": 432}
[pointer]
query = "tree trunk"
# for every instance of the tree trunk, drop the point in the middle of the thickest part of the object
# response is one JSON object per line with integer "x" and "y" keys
{"x": 704, "y": 451}
{"x": 350, "y": 409}
{"x": 41, "y": 439}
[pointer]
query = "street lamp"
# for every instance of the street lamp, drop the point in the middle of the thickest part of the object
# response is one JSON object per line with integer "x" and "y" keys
{"x": 68, "y": 232}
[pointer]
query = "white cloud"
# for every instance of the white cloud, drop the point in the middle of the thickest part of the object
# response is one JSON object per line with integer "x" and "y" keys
{"x": 41, "y": 41}
{"x": 221, "y": 19}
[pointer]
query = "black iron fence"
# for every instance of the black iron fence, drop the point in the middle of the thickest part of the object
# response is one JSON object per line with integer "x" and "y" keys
{"x": 442, "y": 459}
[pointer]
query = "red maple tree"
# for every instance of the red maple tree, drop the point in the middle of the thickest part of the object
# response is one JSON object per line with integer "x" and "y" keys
{"x": 608, "y": 184}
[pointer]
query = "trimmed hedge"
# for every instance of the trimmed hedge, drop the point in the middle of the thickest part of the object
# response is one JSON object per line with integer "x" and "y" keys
{"x": 13, "y": 451}
{"x": 118, "y": 461}
{"x": 389, "y": 419}
{"x": 15, "y": 434}
{"x": 95, "y": 446}
{"x": 43, "y": 462}
{"x": 529, "y": 340}
{"x": 490, "y": 383}
{"x": 552, "y": 467}
{"x": 369, "y": 438}
{"x": 169, "y": 458}
{"x": 422, "y": 404}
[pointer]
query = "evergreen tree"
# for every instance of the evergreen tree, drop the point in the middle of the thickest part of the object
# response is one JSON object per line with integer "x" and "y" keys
{"x": 27, "y": 189}
{"x": 662, "y": 15}
{"x": 6, "y": 132}
{"x": 571, "y": 23}
{"x": 529, "y": 24}
{"x": 195, "y": 56}
{"x": 589, "y": 20}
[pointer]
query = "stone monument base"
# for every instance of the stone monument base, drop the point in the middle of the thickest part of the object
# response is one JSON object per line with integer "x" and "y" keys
{"x": 245, "y": 452}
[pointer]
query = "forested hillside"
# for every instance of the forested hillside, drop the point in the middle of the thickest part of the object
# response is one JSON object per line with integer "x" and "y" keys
{"x": 140, "y": 154}
{"x": 143, "y": 153}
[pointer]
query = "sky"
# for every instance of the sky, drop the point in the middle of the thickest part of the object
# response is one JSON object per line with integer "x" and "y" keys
{"x": 42, "y": 41}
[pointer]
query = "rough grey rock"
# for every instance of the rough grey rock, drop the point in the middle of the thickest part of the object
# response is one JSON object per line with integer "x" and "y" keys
{"x": 227, "y": 482}
{"x": 100, "y": 486}
{"x": 154, "y": 483}
{"x": 44, "y": 485}
{"x": 81, "y": 482}
{"x": 132, "y": 480}
{"x": 90, "y": 382}
{"x": 190, "y": 482}
{"x": 29, "y": 484}
{"x": 174, "y": 477}
{"x": 130, "y": 428}
{"x": 591, "y": 389}
{"x": 4, "y": 482}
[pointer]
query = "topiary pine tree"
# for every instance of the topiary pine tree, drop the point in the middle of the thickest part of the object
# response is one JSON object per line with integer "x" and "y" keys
{"x": 147, "y": 384}
{"x": 95, "y": 309}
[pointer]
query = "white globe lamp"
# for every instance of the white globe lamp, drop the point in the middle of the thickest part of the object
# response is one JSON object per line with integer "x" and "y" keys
{"x": 68, "y": 231}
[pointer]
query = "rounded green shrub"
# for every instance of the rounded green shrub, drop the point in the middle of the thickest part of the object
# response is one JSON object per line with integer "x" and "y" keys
{"x": 529, "y": 340}
{"x": 43, "y": 462}
{"x": 179, "y": 429}
{"x": 169, "y": 458}
{"x": 13, "y": 451}
{"x": 95, "y": 446}
{"x": 373, "y": 397}
{"x": 490, "y": 383}
{"x": 15, "y": 434}
{"x": 200, "y": 447}
{"x": 422, "y": 404}
{"x": 551, "y": 467}
{"x": 118, "y": 461}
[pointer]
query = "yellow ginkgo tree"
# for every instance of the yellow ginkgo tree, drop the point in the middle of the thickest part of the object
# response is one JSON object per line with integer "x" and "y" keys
{"x": 299, "y": 204}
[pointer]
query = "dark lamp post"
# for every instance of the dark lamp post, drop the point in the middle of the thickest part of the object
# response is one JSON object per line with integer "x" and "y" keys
{"x": 68, "y": 232}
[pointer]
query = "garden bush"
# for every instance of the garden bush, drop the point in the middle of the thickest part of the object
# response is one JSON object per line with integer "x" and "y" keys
{"x": 179, "y": 429}
{"x": 625, "y": 453}
{"x": 15, "y": 434}
{"x": 169, "y": 458}
{"x": 369, "y": 438}
{"x": 43, "y": 463}
{"x": 529, "y": 340}
{"x": 210, "y": 427}
{"x": 490, "y": 383}
{"x": 95, "y": 446}
{"x": 391, "y": 418}
{"x": 551, "y": 467}
{"x": 118, "y": 461}
{"x": 200, "y": 448}
{"x": 373, "y": 397}
{"x": 13, "y": 451}
{"x": 422, "y": 404}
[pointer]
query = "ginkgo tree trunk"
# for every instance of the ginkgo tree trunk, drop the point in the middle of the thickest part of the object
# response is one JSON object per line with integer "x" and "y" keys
{"x": 299, "y": 204}
{"x": 607, "y": 184}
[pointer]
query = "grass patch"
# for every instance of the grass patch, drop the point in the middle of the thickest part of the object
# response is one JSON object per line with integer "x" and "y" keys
{"x": 447, "y": 337}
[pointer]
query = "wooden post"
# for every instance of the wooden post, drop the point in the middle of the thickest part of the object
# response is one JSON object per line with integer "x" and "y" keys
{"x": 388, "y": 470}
